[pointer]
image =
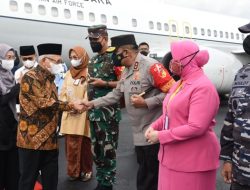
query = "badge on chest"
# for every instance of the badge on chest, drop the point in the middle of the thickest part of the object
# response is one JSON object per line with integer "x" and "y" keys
{"x": 135, "y": 86}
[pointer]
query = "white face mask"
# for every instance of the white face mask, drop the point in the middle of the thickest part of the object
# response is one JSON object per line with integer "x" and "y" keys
{"x": 56, "y": 68}
{"x": 76, "y": 63}
{"x": 7, "y": 64}
{"x": 29, "y": 64}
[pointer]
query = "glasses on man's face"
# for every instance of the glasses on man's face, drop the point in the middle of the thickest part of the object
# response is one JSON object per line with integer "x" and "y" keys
{"x": 59, "y": 61}
{"x": 27, "y": 58}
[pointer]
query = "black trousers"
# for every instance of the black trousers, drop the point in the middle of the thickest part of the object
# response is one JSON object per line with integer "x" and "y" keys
{"x": 147, "y": 175}
{"x": 237, "y": 186}
{"x": 31, "y": 161}
{"x": 9, "y": 169}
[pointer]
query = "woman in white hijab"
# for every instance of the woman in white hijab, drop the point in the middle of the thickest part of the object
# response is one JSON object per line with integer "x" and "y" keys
{"x": 9, "y": 168}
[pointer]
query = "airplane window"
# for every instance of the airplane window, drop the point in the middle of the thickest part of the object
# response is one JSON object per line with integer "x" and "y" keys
{"x": 151, "y": 25}
{"x": 215, "y": 33}
{"x": 203, "y": 32}
{"x": 221, "y": 34}
{"x": 242, "y": 36}
{"x": 80, "y": 15}
{"x": 13, "y": 6}
{"x": 237, "y": 36}
{"x": 226, "y": 34}
{"x": 28, "y": 8}
{"x": 67, "y": 13}
{"x": 92, "y": 17}
{"x": 134, "y": 22}
{"x": 173, "y": 27}
{"x": 166, "y": 27}
{"x": 158, "y": 25}
{"x": 187, "y": 31}
{"x": 42, "y": 10}
{"x": 195, "y": 31}
{"x": 115, "y": 20}
{"x": 208, "y": 32}
{"x": 232, "y": 35}
{"x": 103, "y": 18}
{"x": 54, "y": 11}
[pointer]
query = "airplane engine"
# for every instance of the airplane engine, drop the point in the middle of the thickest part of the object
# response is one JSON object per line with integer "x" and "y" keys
{"x": 221, "y": 69}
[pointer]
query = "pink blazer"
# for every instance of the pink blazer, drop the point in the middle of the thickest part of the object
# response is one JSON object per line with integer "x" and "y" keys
{"x": 190, "y": 143}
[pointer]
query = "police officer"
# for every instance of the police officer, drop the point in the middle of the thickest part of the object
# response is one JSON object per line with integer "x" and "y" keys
{"x": 104, "y": 121}
{"x": 143, "y": 83}
{"x": 144, "y": 48}
{"x": 235, "y": 138}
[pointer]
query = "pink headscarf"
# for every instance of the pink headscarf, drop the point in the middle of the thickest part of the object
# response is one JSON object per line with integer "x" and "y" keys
{"x": 184, "y": 48}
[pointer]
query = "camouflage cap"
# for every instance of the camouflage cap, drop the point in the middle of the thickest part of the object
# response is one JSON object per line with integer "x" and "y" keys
{"x": 96, "y": 31}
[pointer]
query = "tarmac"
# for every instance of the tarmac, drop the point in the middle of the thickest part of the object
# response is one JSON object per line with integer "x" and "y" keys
{"x": 126, "y": 159}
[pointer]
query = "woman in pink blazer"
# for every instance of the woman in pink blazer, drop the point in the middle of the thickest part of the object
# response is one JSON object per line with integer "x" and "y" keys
{"x": 189, "y": 149}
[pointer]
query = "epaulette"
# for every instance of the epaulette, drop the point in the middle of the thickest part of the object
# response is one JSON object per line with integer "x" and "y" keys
{"x": 110, "y": 49}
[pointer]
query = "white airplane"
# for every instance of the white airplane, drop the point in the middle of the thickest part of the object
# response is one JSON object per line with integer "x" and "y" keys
{"x": 26, "y": 22}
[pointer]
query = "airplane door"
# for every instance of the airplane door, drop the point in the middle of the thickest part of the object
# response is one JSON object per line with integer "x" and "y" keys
{"x": 173, "y": 30}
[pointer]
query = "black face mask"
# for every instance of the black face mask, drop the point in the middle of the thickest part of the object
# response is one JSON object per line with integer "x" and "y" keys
{"x": 96, "y": 46}
{"x": 117, "y": 59}
{"x": 144, "y": 53}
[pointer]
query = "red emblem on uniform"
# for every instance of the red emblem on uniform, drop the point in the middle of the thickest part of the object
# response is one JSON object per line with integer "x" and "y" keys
{"x": 162, "y": 78}
{"x": 118, "y": 71}
{"x": 136, "y": 66}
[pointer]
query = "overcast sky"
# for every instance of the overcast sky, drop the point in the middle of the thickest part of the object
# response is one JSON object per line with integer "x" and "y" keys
{"x": 239, "y": 8}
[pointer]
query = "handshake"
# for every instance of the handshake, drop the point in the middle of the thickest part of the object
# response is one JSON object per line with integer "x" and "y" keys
{"x": 80, "y": 106}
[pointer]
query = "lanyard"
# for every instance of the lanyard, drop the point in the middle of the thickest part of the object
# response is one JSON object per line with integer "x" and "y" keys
{"x": 174, "y": 93}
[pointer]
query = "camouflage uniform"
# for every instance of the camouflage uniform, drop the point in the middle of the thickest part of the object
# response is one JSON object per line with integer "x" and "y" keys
{"x": 103, "y": 121}
{"x": 235, "y": 135}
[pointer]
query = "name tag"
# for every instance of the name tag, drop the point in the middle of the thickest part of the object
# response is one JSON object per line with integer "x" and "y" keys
{"x": 135, "y": 86}
{"x": 76, "y": 82}
{"x": 166, "y": 123}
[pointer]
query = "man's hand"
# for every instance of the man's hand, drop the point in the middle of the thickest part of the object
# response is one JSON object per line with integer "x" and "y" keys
{"x": 152, "y": 135}
{"x": 138, "y": 101}
{"x": 86, "y": 105}
{"x": 226, "y": 172}
{"x": 97, "y": 82}
{"x": 77, "y": 107}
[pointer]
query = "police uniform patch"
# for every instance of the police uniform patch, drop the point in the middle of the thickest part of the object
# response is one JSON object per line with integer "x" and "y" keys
{"x": 162, "y": 78}
{"x": 136, "y": 66}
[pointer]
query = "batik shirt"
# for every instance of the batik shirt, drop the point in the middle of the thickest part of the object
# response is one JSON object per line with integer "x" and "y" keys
{"x": 101, "y": 66}
{"x": 39, "y": 106}
{"x": 235, "y": 135}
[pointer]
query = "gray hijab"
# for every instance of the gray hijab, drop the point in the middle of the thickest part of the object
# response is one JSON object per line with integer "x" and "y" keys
{"x": 7, "y": 81}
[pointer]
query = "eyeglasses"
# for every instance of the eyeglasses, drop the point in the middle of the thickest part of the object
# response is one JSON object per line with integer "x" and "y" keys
{"x": 27, "y": 58}
{"x": 55, "y": 61}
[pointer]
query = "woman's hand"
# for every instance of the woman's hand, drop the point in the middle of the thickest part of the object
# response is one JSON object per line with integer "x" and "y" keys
{"x": 152, "y": 135}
